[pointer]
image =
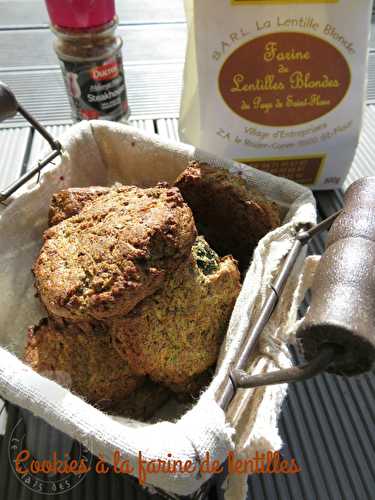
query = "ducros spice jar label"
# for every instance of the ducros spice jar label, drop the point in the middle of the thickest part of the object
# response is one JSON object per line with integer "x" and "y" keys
{"x": 96, "y": 89}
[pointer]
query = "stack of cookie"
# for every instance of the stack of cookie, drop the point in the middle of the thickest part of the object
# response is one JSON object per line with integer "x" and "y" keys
{"x": 138, "y": 303}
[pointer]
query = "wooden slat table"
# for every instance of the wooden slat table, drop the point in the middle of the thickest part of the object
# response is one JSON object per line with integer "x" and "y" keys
{"x": 326, "y": 423}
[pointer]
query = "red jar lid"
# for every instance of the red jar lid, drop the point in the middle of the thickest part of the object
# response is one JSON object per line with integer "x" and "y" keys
{"x": 80, "y": 13}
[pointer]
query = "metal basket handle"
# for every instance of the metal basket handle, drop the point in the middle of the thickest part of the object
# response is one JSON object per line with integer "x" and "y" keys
{"x": 9, "y": 107}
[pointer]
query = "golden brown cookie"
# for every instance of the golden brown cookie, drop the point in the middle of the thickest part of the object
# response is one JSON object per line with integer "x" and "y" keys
{"x": 175, "y": 334}
{"x": 232, "y": 216}
{"x": 69, "y": 202}
{"x": 81, "y": 357}
{"x": 116, "y": 251}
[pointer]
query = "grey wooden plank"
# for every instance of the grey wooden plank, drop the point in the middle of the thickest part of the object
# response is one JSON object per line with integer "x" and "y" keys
{"x": 145, "y": 125}
{"x": 147, "y": 43}
{"x": 10, "y": 487}
{"x": 34, "y": 13}
{"x": 364, "y": 161}
{"x": 3, "y": 417}
{"x": 153, "y": 91}
{"x": 21, "y": 13}
{"x": 371, "y": 78}
{"x": 13, "y": 149}
{"x": 146, "y": 11}
{"x": 349, "y": 472}
{"x": 168, "y": 127}
{"x": 363, "y": 165}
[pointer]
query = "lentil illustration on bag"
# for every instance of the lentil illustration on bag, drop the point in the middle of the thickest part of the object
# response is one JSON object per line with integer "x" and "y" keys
{"x": 277, "y": 85}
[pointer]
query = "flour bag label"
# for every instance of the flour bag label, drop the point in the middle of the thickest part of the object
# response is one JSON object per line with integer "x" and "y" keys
{"x": 277, "y": 85}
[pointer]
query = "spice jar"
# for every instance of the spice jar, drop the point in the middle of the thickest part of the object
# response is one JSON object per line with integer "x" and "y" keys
{"x": 90, "y": 57}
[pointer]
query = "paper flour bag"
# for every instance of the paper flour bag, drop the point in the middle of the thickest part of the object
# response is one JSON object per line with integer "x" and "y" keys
{"x": 277, "y": 85}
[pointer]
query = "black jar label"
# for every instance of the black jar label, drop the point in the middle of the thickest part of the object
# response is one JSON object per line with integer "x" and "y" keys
{"x": 96, "y": 89}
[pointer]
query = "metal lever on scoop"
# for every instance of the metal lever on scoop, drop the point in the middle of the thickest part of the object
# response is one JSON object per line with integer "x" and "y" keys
{"x": 236, "y": 374}
{"x": 9, "y": 107}
{"x": 319, "y": 364}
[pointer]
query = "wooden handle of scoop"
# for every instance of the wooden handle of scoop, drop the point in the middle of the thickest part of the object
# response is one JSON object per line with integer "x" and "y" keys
{"x": 342, "y": 310}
